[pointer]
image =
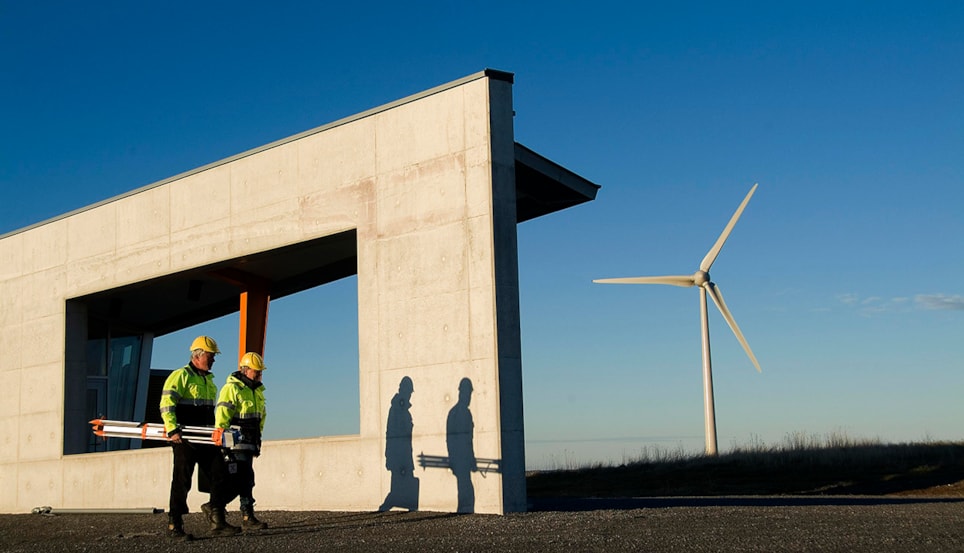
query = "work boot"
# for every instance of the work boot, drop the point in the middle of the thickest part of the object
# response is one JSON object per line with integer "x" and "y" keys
{"x": 175, "y": 528}
{"x": 251, "y": 522}
{"x": 221, "y": 526}
{"x": 208, "y": 514}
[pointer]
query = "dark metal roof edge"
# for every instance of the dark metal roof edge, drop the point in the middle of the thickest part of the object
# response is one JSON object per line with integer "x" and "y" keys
{"x": 553, "y": 170}
{"x": 490, "y": 73}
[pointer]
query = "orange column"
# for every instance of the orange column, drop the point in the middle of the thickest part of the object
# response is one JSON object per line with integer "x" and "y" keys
{"x": 254, "y": 319}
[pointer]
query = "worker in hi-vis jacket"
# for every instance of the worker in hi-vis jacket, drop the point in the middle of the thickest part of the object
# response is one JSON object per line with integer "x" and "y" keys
{"x": 241, "y": 403}
{"x": 188, "y": 400}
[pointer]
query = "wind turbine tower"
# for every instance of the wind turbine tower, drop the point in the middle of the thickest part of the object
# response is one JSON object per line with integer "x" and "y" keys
{"x": 701, "y": 279}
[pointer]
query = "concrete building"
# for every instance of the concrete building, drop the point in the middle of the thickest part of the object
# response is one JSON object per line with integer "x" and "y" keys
{"x": 420, "y": 198}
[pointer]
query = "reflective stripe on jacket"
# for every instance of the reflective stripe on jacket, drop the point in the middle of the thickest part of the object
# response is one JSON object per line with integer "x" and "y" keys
{"x": 241, "y": 403}
{"x": 187, "y": 399}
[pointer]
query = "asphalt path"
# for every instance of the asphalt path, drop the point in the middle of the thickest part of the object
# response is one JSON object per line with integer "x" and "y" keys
{"x": 691, "y": 524}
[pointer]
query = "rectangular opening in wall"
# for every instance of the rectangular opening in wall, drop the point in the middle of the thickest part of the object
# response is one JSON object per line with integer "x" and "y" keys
{"x": 120, "y": 343}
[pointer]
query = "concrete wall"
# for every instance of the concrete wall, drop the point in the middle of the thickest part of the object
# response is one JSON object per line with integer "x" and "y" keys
{"x": 428, "y": 184}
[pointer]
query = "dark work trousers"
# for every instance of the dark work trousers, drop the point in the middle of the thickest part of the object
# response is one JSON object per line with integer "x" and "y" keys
{"x": 211, "y": 464}
{"x": 241, "y": 475}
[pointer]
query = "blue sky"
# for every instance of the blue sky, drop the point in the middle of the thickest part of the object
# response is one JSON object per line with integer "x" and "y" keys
{"x": 842, "y": 273}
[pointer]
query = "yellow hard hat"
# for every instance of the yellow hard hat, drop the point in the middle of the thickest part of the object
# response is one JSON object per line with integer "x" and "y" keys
{"x": 205, "y": 343}
{"x": 252, "y": 361}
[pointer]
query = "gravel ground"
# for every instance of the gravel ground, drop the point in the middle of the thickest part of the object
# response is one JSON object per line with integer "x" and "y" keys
{"x": 812, "y": 524}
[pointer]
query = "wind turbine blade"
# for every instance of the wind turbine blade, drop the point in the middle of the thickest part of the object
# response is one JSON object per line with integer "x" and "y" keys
{"x": 715, "y": 250}
{"x": 717, "y": 296}
{"x": 680, "y": 280}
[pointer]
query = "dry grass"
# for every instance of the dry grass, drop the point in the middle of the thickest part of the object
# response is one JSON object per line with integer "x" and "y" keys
{"x": 802, "y": 465}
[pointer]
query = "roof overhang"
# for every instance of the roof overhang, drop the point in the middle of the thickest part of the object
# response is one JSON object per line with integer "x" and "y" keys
{"x": 543, "y": 187}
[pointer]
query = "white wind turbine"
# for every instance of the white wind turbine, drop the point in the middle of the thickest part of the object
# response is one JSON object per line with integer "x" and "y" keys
{"x": 701, "y": 278}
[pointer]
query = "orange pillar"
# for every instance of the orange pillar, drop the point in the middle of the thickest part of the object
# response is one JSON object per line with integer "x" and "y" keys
{"x": 254, "y": 319}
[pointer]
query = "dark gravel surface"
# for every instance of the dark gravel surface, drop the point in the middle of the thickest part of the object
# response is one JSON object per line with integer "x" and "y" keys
{"x": 840, "y": 523}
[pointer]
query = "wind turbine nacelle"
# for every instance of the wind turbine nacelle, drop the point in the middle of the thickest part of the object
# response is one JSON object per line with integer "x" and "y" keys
{"x": 701, "y": 277}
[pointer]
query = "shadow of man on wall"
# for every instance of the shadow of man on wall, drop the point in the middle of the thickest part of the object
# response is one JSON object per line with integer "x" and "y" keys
{"x": 459, "y": 434}
{"x": 398, "y": 451}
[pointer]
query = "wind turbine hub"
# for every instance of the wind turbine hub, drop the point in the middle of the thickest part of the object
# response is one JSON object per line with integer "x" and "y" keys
{"x": 701, "y": 277}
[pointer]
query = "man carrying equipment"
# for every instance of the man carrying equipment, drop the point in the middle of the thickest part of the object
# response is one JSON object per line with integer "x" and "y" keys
{"x": 241, "y": 403}
{"x": 188, "y": 400}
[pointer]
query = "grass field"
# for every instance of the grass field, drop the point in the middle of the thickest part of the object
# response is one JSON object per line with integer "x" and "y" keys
{"x": 802, "y": 465}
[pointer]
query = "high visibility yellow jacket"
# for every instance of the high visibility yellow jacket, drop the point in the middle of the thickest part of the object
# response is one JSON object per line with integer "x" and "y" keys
{"x": 187, "y": 399}
{"x": 241, "y": 403}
